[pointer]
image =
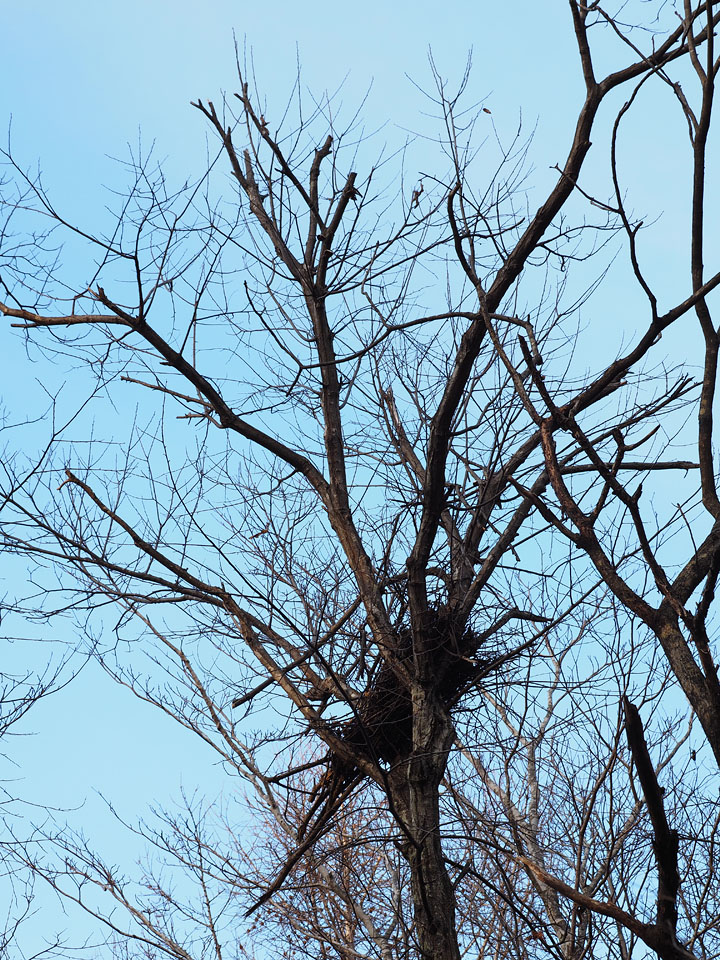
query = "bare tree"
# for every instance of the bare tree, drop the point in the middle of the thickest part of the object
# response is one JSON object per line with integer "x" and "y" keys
{"x": 405, "y": 521}
{"x": 519, "y": 810}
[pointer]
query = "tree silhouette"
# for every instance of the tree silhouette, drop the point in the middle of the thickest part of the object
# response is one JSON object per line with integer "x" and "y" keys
{"x": 399, "y": 570}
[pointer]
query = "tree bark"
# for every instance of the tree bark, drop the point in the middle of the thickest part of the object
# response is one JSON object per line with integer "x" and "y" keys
{"x": 414, "y": 792}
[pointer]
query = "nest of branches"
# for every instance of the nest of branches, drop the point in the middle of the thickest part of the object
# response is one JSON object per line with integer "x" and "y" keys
{"x": 381, "y": 728}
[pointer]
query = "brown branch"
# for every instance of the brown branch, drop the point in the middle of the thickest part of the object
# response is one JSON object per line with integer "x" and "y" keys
{"x": 228, "y": 419}
{"x": 508, "y": 273}
{"x": 647, "y": 932}
{"x": 665, "y": 841}
{"x": 638, "y": 465}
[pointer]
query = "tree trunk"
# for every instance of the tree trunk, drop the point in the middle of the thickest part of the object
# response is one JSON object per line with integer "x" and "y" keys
{"x": 414, "y": 784}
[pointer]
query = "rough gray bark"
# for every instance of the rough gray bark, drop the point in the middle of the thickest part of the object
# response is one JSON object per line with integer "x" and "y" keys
{"x": 413, "y": 790}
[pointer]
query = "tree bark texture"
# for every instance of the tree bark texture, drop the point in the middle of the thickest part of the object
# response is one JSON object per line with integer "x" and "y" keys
{"x": 414, "y": 784}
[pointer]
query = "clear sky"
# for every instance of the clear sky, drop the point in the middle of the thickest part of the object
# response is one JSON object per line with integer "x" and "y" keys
{"x": 83, "y": 79}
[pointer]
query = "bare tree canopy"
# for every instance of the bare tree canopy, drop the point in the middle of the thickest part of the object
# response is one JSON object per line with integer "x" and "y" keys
{"x": 416, "y": 523}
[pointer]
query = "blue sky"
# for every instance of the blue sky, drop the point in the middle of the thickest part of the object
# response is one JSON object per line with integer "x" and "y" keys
{"x": 82, "y": 80}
